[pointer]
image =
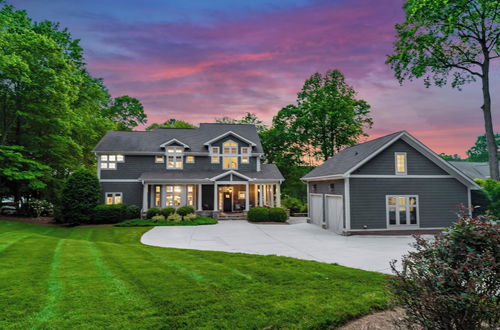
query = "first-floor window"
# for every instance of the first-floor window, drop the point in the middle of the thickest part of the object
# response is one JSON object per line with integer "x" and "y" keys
{"x": 114, "y": 198}
{"x": 190, "y": 195}
{"x": 173, "y": 195}
{"x": 230, "y": 163}
{"x": 157, "y": 196}
{"x": 402, "y": 210}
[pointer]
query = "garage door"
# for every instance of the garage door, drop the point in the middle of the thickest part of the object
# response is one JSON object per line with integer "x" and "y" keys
{"x": 316, "y": 208}
{"x": 334, "y": 213}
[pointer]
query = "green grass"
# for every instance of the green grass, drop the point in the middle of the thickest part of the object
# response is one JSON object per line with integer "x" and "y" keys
{"x": 148, "y": 222}
{"x": 102, "y": 277}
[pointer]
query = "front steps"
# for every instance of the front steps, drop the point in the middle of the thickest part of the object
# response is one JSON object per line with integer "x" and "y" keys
{"x": 230, "y": 216}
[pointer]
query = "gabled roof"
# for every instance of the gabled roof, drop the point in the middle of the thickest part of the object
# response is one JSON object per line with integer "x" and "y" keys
{"x": 223, "y": 174}
{"x": 136, "y": 142}
{"x": 474, "y": 170}
{"x": 163, "y": 145}
{"x": 226, "y": 134}
{"x": 350, "y": 159}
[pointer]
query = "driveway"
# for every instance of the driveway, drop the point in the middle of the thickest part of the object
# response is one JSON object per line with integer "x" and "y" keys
{"x": 299, "y": 240}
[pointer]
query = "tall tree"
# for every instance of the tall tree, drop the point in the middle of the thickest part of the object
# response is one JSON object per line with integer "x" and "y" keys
{"x": 479, "y": 151}
{"x": 455, "y": 40}
{"x": 248, "y": 118}
{"x": 327, "y": 118}
{"x": 453, "y": 157}
{"x": 171, "y": 123}
{"x": 127, "y": 112}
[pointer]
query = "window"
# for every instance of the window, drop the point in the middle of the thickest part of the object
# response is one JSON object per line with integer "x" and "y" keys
{"x": 159, "y": 159}
{"x": 190, "y": 159}
{"x": 108, "y": 162}
{"x": 245, "y": 160}
{"x": 314, "y": 187}
{"x": 174, "y": 157}
{"x": 173, "y": 195}
{"x": 230, "y": 147}
{"x": 174, "y": 149}
{"x": 157, "y": 196}
{"x": 230, "y": 163}
{"x": 332, "y": 187}
{"x": 113, "y": 198}
{"x": 400, "y": 160}
{"x": 190, "y": 195}
{"x": 245, "y": 150}
{"x": 215, "y": 159}
{"x": 402, "y": 210}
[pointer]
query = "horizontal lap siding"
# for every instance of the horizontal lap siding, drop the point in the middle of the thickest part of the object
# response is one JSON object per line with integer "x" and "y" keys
{"x": 132, "y": 191}
{"x": 438, "y": 200}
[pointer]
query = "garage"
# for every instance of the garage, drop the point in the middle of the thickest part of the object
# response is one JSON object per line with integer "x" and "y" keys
{"x": 334, "y": 213}
{"x": 316, "y": 209}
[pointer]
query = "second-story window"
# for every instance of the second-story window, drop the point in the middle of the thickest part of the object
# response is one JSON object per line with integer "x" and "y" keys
{"x": 108, "y": 162}
{"x": 245, "y": 155}
{"x": 230, "y": 152}
{"x": 400, "y": 162}
{"x": 214, "y": 155}
{"x": 174, "y": 157}
{"x": 159, "y": 159}
{"x": 190, "y": 159}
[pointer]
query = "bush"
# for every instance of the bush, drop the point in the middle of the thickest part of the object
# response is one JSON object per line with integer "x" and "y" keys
{"x": 147, "y": 223}
{"x": 258, "y": 214}
{"x": 189, "y": 217}
{"x": 41, "y": 207}
{"x": 452, "y": 282}
{"x": 174, "y": 217}
{"x": 491, "y": 188}
{"x": 303, "y": 208}
{"x": 152, "y": 212}
{"x": 293, "y": 204}
{"x": 158, "y": 217}
{"x": 167, "y": 211}
{"x": 277, "y": 214}
{"x": 109, "y": 213}
{"x": 185, "y": 210}
{"x": 132, "y": 212}
{"x": 80, "y": 196}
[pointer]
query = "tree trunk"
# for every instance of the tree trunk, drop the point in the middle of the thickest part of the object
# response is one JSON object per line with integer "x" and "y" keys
{"x": 488, "y": 123}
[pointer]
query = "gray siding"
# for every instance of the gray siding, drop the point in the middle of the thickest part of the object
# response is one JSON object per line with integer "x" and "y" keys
{"x": 438, "y": 200}
{"x": 383, "y": 163}
{"x": 131, "y": 191}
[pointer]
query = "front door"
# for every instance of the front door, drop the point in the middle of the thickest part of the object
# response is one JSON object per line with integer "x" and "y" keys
{"x": 228, "y": 201}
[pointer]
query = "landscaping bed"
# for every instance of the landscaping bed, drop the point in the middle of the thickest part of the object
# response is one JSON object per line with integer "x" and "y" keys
{"x": 149, "y": 222}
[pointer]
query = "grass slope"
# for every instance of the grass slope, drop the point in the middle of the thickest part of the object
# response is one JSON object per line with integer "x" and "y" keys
{"x": 102, "y": 277}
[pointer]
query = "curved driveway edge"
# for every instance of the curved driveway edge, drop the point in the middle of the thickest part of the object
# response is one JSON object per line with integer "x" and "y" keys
{"x": 300, "y": 240}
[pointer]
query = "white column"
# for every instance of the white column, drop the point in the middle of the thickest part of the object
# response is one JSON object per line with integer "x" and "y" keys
{"x": 163, "y": 196}
{"x": 200, "y": 205}
{"x": 145, "y": 197}
{"x": 278, "y": 195}
{"x": 307, "y": 199}
{"x": 261, "y": 193}
{"x": 247, "y": 197}
{"x": 271, "y": 189}
{"x": 216, "y": 203}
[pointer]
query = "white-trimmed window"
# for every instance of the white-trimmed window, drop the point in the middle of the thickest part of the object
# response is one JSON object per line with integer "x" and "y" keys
{"x": 230, "y": 158}
{"x": 190, "y": 159}
{"x": 402, "y": 210}
{"x": 173, "y": 195}
{"x": 214, "y": 155}
{"x": 174, "y": 157}
{"x": 108, "y": 162}
{"x": 190, "y": 195}
{"x": 245, "y": 155}
{"x": 400, "y": 163}
{"x": 159, "y": 159}
{"x": 230, "y": 147}
{"x": 113, "y": 198}
{"x": 230, "y": 162}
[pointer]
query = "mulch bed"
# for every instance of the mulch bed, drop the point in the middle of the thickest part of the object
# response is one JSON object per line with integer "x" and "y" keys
{"x": 48, "y": 221}
{"x": 377, "y": 321}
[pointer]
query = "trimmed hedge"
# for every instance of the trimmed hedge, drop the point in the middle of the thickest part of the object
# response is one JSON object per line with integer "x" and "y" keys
{"x": 277, "y": 214}
{"x": 133, "y": 212}
{"x": 166, "y": 212}
{"x": 258, "y": 214}
{"x": 80, "y": 196}
{"x": 114, "y": 213}
{"x": 147, "y": 223}
{"x": 152, "y": 212}
{"x": 185, "y": 210}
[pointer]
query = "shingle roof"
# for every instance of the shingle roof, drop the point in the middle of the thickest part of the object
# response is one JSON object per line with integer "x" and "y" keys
{"x": 267, "y": 172}
{"x": 349, "y": 157}
{"x": 150, "y": 141}
{"x": 473, "y": 170}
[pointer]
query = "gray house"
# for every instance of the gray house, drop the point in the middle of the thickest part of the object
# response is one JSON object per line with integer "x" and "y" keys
{"x": 390, "y": 183}
{"x": 214, "y": 168}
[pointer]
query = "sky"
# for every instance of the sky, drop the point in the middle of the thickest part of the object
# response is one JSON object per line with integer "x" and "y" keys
{"x": 197, "y": 60}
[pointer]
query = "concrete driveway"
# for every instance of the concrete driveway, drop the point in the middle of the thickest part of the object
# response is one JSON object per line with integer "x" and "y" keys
{"x": 299, "y": 240}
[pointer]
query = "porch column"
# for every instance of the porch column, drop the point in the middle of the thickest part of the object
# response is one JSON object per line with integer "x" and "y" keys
{"x": 261, "y": 193}
{"x": 278, "y": 195}
{"x": 247, "y": 197}
{"x": 145, "y": 197}
{"x": 271, "y": 195}
{"x": 200, "y": 205}
{"x": 216, "y": 204}
{"x": 163, "y": 196}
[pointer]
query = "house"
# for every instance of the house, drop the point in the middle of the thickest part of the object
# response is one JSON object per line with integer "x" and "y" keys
{"x": 391, "y": 183}
{"x": 214, "y": 168}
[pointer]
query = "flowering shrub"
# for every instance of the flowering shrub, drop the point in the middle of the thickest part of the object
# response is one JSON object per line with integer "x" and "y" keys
{"x": 158, "y": 218}
{"x": 452, "y": 282}
{"x": 189, "y": 217}
{"x": 40, "y": 207}
{"x": 174, "y": 217}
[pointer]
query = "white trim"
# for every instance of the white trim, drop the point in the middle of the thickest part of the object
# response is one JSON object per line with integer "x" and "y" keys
{"x": 396, "y": 154}
{"x": 230, "y": 172}
{"x": 163, "y": 145}
{"x": 114, "y": 193}
{"x": 145, "y": 189}
{"x": 325, "y": 177}
{"x": 469, "y": 200}
{"x": 199, "y": 200}
{"x": 119, "y": 180}
{"x": 325, "y": 208}
{"x": 230, "y": 161}
{"x": 308, "y": 204}
{"x": 175, "y": 156}
{"x": 408, "y": 224}
{"x": 394, "y": 176}
{"x": 397, "y": 228}
{"x": 347, "y": 204}
{"x": 230, "y": 182}
{"x": 258, "y": 164}
{"x": 226, "y": 134}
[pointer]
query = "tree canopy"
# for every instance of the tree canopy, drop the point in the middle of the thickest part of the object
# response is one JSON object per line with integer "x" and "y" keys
{"x": 127, "y": 112}
{"x": 479, "y": 151}
{"x": 248, "y": 118}
{"x": 171, "y": 123}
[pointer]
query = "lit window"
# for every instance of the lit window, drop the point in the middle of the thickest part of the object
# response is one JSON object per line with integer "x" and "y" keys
{"x": 215, "y": 155}
{"x": 159, "y": 159}
{"x": 114, "y": 198}
{"x": 402, "y": 210}
{"x": 173, "y": 195}
{"x": 245, "y": 150}
{"x": 230, "y": 163}
{"x": 157, "y": 196}
{"x": 173, "y": 150}
{"x": 215, "y": 159}
{"x": 190, "y": 159}
{"x": 230, "y": 147}
{"x": 174, "y": 157}
{"x": 245, "y": 160}
{"x": 108, "y": 162}
{"x": 400, "y": 159}
{"x": 120, "y": 158}
{"x": 190, "y": 195}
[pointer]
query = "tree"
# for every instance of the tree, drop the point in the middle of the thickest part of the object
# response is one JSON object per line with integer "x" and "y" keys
{"x": 248, "y": 118}
{"x": 479, "y": 151}
{"x": 80, "y": 196}
{"x": 327, "y": 117}
{"x": 127, "y": 112}
{"x": 171, "y": 123}
{"x": 453, "y": 157}
{"x": 457, "y": 38}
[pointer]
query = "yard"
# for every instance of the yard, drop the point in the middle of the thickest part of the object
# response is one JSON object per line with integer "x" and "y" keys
{"x": 102, "y": 277}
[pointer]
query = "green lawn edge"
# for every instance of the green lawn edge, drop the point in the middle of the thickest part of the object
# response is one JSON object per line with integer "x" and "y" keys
{"x": 148, "y": 222}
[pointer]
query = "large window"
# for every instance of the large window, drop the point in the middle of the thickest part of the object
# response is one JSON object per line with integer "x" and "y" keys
{"x": 400, "y": 162}
{"x": 245, "y": 153}
{"x": 157, "y": 196}
{"x": 190, "y": 195}
{"x": 230, "y": 147}
{"x": 173, "y": 195}
{"x": 402, "y": 210}
{"x": 214, "y": 155}
{"x": 174, "y": 157}
{"x": 113, "y": 198}
{"x": 108, "y": 162}
{"x": 230, "y": 158}
{"x": 230, "y": 163}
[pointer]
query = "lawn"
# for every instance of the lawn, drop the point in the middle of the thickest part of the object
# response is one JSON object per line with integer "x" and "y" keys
{"x": 148, "y": 222}
{"x": 102, "y": 277}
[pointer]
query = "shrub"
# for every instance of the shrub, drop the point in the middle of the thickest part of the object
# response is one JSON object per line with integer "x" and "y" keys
{"x": 167, "y": 211}
{"x": 258, "y": 214}
{"x": 109, "y": 213}
{"x": 174, "y": 217}
{"x": 146, "y": 223}
{"x": 303, "y": 208}
{"x": 491, "y": 188}
{"x": 41, "y": 207}
{"x": 277, "y": 214}
{"x": 452, "y": 282}
{"x": 158, "y": 217}
{"x": 132, "y": 212}
{"x": 185, "y": 210}
{"x": 189, "y": 217}
{"x": 293, "y": 204}
{"x": 152, "y": 212}
{"x": 80, "y": 196}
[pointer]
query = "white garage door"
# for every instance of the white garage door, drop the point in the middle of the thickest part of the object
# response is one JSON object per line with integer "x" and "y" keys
{"x": 316, "y": 209}
{"x": 334, "y": 213}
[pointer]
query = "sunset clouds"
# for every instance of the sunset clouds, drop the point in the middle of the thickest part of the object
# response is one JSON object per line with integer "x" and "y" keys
{"x": 195, "y": 61}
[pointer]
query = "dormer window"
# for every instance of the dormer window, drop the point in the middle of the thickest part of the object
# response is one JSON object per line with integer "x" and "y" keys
{"x": 230, "y": 162}
{"x": 400, "y": 163}
{"x": 174, "y": 157}
{"x": 230, "y": 147}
